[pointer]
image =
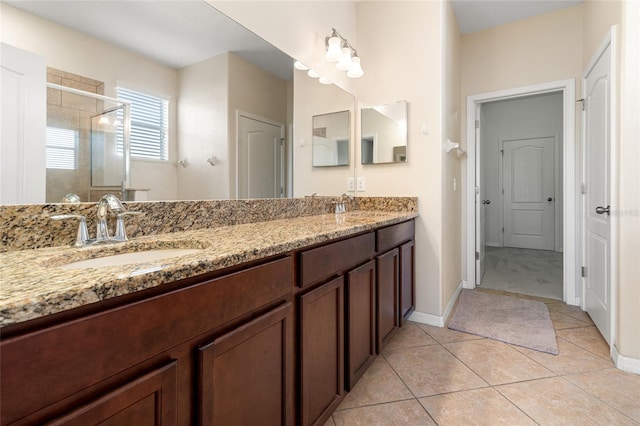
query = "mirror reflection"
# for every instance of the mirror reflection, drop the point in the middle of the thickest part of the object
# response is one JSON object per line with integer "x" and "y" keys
{"x": 223, "y": 84}
{"x": 331, "y": 139}
{"x": 384, "y": 134}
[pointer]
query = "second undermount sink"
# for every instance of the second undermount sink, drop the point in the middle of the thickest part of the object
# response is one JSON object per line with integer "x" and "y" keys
{"x": 145, "y": 256}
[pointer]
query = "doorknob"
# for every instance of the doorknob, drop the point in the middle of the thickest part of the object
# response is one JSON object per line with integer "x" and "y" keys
{"x": 486, "y": 201}
{"x": 550, "y": 199}
{"x": 602, "y": 210}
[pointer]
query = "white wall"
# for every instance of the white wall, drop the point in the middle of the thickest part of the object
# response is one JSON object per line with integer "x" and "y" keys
{"x": 77, "y": 53}
{"x": 531, "y": 117}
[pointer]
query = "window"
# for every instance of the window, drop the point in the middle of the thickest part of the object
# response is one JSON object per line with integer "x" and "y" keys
{"x": 149, "y": 125}
{"x": 61, "y": 148}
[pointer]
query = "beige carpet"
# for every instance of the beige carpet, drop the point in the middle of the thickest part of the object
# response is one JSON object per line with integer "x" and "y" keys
{"x": 520, "y": 322}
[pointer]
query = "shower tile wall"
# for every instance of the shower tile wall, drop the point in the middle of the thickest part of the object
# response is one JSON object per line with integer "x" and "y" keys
{"x": 70, "y": 111}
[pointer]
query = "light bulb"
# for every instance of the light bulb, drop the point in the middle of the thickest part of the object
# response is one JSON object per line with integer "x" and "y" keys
{"x": 300, "y": 66}
{"x": 324, "y": 80}
{"x": 355, "y": 70}
{"x": 334, "y": 52}
{"x": 313, "y": 74}
{"x": 345, "y": 62}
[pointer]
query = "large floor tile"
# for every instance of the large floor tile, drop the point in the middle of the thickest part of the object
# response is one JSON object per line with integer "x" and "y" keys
{"x": 588, "y": 338}
{"x": 431, "y": 370}
{"x": 474, "y": 407}
{"x": 392, "y": 414}
{"x": 379, "y": 384}
{"x": 562, "y": 321}
{"x": 618, "y": 389}
{"x": 555, "y": 401}
{"x": 573, "y": 311}
{"x": 497, "y": 362}
{"x": 445, "y": 335}
{"x": 409, "y": 335}
{"x": 571, "y": 359}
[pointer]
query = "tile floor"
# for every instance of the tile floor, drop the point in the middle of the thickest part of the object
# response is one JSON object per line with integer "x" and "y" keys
{"x": 428, "y": 375}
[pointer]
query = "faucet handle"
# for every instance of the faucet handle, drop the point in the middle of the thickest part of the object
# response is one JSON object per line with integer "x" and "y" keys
{"x": 82, "y": 236}
{"x": 121, "y": 233}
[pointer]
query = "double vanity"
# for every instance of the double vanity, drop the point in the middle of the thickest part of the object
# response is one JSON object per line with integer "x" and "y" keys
{"x": 261, "y": 322}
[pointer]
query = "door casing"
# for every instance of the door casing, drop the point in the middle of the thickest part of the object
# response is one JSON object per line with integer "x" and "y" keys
{"x": 570, "y": 226}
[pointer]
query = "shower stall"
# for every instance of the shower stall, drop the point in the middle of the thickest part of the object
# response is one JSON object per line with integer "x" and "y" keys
{"x": 87, "y": 146}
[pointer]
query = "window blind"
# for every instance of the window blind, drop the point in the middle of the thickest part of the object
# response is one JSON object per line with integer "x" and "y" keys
{"x": 149, "y": 124}
{"x": 61, "y": 148}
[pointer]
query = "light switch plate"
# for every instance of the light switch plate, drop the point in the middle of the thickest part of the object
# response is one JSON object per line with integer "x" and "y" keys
{"x": 361, "y": 184}
{"x": 351, "y": 184}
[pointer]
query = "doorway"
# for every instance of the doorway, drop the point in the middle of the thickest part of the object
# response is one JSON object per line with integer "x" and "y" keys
{"x": 558, "y": 212}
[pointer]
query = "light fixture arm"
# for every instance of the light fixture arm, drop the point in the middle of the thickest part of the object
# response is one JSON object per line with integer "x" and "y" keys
{"x": 345, "y": 43}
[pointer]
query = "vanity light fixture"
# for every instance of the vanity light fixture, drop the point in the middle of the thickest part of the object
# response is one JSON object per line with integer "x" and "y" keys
{"x": 344, "y": 54}
{"x": 300, "y": 66}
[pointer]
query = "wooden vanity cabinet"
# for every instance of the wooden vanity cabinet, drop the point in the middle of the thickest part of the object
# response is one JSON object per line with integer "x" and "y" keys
{"x": 98, "y": 361}
{"x": 387, "y": 290}
{"x": 407, "y": 280}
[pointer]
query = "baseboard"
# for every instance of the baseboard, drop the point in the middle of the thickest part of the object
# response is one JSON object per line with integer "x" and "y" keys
{"x": 630, "y": 365}
{"x": 492, "y": 244}
{"x": 438, "y": 320}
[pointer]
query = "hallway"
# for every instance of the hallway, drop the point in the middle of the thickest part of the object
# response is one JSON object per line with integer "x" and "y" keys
{"x": 523, "y": 271}
{"x": 428, "y": 375}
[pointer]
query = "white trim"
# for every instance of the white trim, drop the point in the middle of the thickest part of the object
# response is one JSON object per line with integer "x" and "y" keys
{"x": 630, "y": 365}
{"x": 610, "y": 40}
{"x": 570, "y": 191}
{"x": 438, "y": 320}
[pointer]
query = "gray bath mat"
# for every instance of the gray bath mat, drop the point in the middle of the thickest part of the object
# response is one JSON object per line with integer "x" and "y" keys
{"x": 520, "y": 322}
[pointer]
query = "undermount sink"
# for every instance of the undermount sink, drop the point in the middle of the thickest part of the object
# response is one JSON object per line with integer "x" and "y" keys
{"x": 145, "y": 256}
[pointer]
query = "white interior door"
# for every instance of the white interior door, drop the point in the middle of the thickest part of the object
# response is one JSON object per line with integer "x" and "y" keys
{"x": 597, "y": 120}
{"x": 260, "y": 159}
{"x": 529, "y": 188}
{"x": 23, "y": 114}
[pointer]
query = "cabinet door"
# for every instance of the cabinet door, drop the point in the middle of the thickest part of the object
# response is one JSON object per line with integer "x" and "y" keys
{"x": 321, "y": 351}
{"x": 387, "y": 296}
{"x": 360, "y": 321}
{"x": 407, "y": 280}
{"x": 148, "y": 400}
{"x": 246, "y": 375}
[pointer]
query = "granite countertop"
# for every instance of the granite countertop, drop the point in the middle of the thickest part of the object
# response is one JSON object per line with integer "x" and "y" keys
{"x": 32, "y": 284}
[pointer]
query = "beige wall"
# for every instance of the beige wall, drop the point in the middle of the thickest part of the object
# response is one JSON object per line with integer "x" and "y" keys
{"x": 404, "y": 62}
{"x": 203, "y": 129}
{"x": 451, "y": 166}
{"x": 77, "y": 53}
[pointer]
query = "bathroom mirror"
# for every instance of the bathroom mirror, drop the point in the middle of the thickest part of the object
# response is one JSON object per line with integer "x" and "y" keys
{"x": 207, "y": 90}
{"x": 384, "y": 134}
{"x": 331, "y": 139}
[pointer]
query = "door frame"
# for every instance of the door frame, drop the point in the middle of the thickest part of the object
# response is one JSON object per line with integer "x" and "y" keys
{"x": 569, "y": 182}
{"x": 609, "y": 41}
{"x": 285, "y": 142}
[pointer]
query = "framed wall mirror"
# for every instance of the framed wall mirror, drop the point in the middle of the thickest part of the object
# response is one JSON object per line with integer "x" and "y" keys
{"x": 331, "y": 139}
{"x": 383, "y": 134}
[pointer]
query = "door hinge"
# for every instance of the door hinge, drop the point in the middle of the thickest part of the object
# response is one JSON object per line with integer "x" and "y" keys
{"x": 583, "y": 188}
{"x": 502, "y": 152}
{"x": 503, "y": 229}
{"x": 477, "y": 124}
{"x": 583, "y": 271}
{"x": 477, "y": 255}
{"x": 503, "y": 190}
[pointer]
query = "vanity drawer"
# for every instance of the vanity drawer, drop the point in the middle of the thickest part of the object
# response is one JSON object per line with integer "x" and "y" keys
{"x": 394, "y": 235}
{"x": 323, "y": 262}
{"x": 46, "y": 366}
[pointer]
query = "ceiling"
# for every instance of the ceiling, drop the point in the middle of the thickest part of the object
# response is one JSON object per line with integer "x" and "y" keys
{"x": 174, "y": 33}
{"x": 476, "y": 15}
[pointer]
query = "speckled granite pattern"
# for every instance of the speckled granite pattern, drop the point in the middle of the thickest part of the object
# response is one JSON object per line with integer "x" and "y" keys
{"x": 30, "y": 226}
{"x": 32, "y": 286}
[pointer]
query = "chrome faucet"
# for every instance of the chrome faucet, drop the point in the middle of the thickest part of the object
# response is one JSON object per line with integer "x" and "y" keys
{"x": 340, "y": 204}
{"x": 108, "y": 203}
